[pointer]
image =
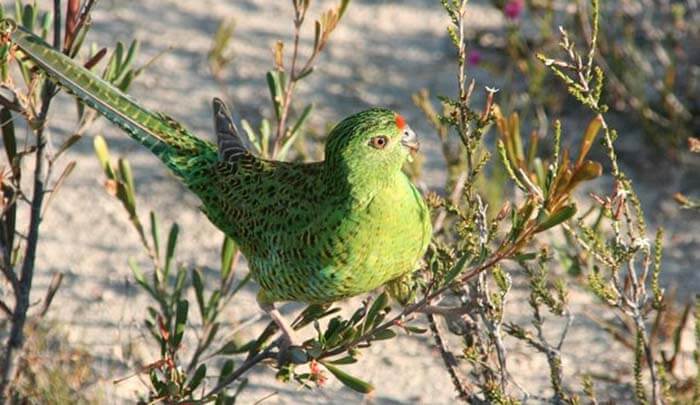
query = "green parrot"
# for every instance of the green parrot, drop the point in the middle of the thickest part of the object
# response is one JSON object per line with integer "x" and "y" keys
{"x": 311, "y": 232}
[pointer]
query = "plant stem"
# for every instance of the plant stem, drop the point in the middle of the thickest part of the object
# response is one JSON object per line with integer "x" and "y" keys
{"x": 465, "y": 394}
{"x": 282, "y": 123}
{"x": 247, "y": 365}
{"x": 19, "y": 317}
{"x": 641, "y": 329}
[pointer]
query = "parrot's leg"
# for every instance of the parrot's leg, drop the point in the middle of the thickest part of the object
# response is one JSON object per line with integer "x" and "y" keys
{"x": 289, "y": 336}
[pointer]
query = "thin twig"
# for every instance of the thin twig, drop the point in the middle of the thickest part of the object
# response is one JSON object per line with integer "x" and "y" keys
{"x": 465, "y": 393}
{"x": 16, "y": 337}
{"x": 266, "y": 354}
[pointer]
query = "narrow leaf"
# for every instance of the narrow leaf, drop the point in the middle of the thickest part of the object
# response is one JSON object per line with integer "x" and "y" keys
{"x": 180, "y": 321}
{"x": 8, "y": 135}
{"x": 170, "y": 249}
{"x": 456, "y": 269}
{"x": 155, "y": 233}
{"x": 199, "y": 291}
{"x": 348, "y": 380}
{"x": 273, "y": 84}
{"x": 226, "y": 369}
{"x": 384, "y": 334}
{"x": 379, "y": 304}
{"x": 557, "y": 218}
{"x": 197, "y": 377}
{"x": 588, "y": 138}
{"x": 228, "y": 250}
{"x": 59, "y": 182}
{"x": 102, "y": 152}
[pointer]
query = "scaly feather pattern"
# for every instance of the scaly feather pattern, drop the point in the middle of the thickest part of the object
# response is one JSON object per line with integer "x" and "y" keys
{"x": 312, "y": 232}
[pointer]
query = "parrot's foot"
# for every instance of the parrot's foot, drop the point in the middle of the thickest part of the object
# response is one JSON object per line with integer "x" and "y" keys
{"x": 289, "y": 337}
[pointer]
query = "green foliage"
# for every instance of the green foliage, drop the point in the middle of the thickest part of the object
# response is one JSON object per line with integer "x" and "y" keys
{"x": 29, "y": 98}
{"x": 660, "y": 95}
{"x": 168, "y": 285}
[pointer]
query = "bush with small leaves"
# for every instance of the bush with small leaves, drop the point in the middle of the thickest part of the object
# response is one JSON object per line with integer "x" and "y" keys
{"x": 27, "y": 96}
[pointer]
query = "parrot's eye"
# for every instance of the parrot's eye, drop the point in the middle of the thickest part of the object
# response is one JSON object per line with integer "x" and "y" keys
{"x": 379, "y": 142}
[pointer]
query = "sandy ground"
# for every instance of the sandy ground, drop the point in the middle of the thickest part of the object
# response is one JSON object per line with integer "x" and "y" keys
{"x": 382, "y": 53}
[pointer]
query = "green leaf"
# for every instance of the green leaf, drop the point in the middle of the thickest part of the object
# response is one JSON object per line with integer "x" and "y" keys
{"x": 212, "y": 331}
{"x": 140, "y": 279}
{"x": 275, "y": 87}
{"x": 295, "y": 133}
{"x": 302, "y": 118}
{"x": 379, "y": 304}
{"x": 102, "y": 152}
{"x": 226, "y": 370}
{"x": 384, "y": 334}
{"x": 523, "y": 257}
{"x": 8, "y": 135}
{"x": 228, "y": 251}
{"x": 128, "y": 178}
{"x": 46, "y": 21}
{"x": 344, "y": 360}
{"x": 180, "y": 281}
{"x": 180, "y": 322}
{"x": 18, "y": 10}
{"x": 79, "y": 39}
{"x": 232, "y": 347}
{"x": 199, "y": 291}
{"x": 349, "y": 380}
{"x": 59, "y": 182}
{"x": 456, "y": 269}
{"x": 29, "y": 17}
{"x": 557, "y": 218}
{"x": 124, "y": 83}
{"x": 155, "y": 233}
{"x": 170, "y": 248}
{"x": 298, "y": 355}
{"x": 213, "y": 303}
{"x": 311, "y": 313}
{"x": 241, "y": 284}
{"x": 197, "y": 377}
{"x": 516, "y": 138}
{"x": 265, "y": 133}
{"x": 129, "y": 59}
{"x": 586, "y": 171}
{"x": 343, "y": 6}
{"x": 415, "y": 329}
{"x": 118, "y": 56}
{"x": 588, "y": 138}
{"x": 252, "y": 135}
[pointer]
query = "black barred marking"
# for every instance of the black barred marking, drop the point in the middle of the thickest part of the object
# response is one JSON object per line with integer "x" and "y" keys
{"x": 228, "y": 138}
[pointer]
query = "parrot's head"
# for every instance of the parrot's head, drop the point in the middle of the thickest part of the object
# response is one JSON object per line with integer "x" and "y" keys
{"x": 375, "y": 142}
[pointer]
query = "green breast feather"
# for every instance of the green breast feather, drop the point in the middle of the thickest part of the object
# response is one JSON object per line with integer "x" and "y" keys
{"x": 311, "y": 232}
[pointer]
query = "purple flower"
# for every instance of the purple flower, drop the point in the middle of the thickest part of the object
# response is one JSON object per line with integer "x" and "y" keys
{"x": 474, "y": 57}
{"x": 513, "y": 9}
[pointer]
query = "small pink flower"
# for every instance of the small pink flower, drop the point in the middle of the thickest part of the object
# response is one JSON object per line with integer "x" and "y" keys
{"x": 513, "y": 9}
{"x": 474, "y": 57}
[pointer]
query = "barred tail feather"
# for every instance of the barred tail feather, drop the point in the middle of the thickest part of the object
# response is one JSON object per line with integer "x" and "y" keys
{"x": 162, "y": 135}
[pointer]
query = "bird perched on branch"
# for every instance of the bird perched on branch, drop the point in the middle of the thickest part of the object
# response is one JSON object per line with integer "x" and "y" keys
{"x": 311, "y": 232}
